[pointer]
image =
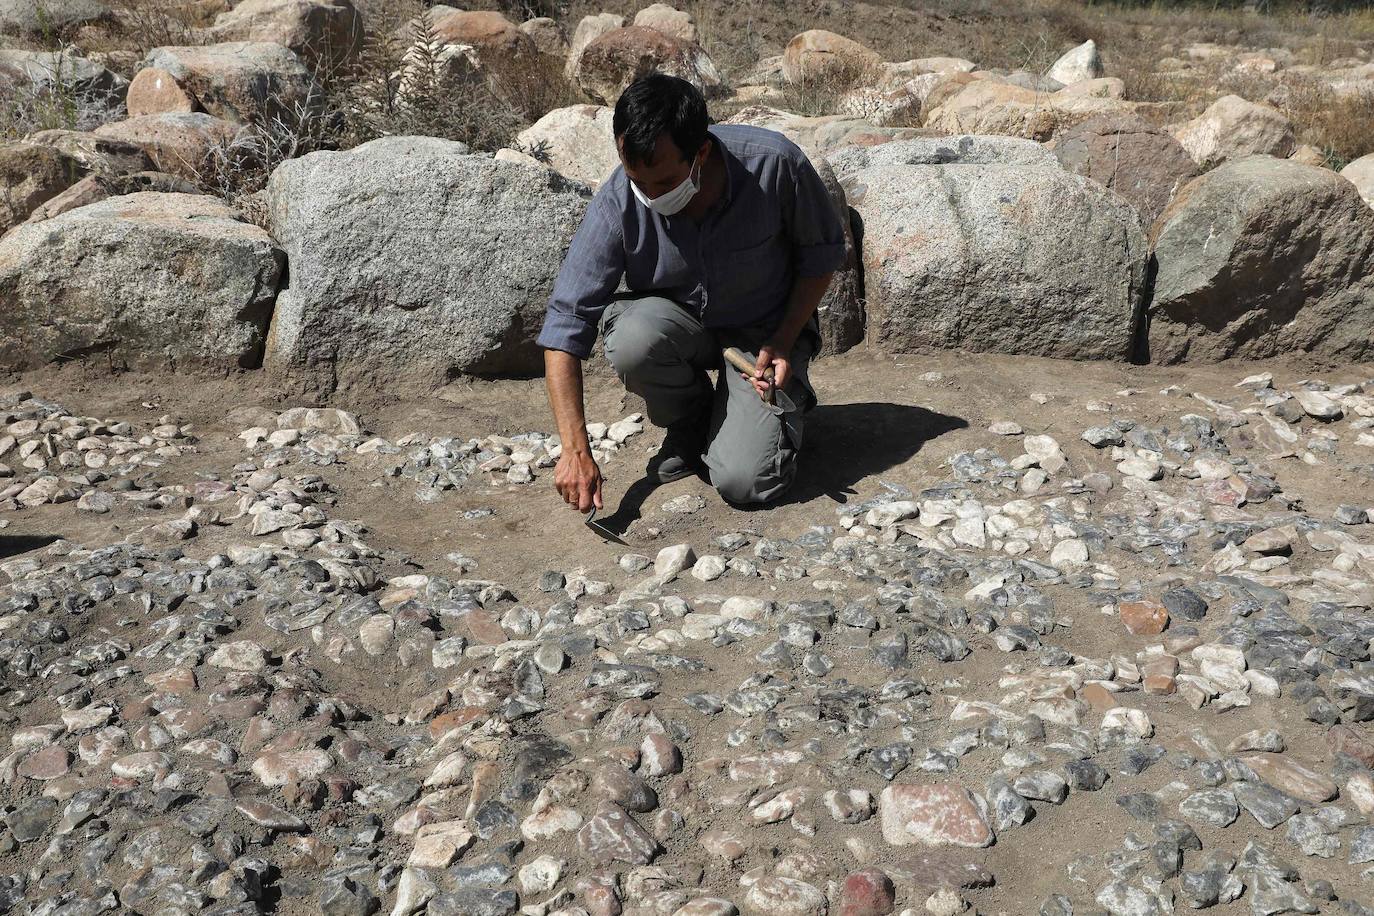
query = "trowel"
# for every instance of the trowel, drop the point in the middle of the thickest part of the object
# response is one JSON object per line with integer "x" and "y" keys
{"x": 605, "y": 533}
{"x": 737, "y": 358}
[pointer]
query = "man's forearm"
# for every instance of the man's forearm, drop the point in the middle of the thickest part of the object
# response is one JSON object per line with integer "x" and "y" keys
{"x": 806, "y": 296}
{"x": 563, "y": 378}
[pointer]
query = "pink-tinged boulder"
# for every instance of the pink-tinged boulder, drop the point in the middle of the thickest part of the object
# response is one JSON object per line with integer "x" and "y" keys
{"x": 154, "y": 90}
{"x": 669, "y": 21}
{"x": 499, "y": 43}
{"x": 179, "y": 143}
{"x": 1142, "y": 163}
{"x": 249, "y": 81}
{"x": 588, "y": 30}
{"x": 818, "y": 56}
{"x": 935, "y": 815}
{"x": 614, "y": 60}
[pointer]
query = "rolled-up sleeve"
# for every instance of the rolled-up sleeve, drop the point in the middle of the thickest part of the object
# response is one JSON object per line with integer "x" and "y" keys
{"x": 814, "y": 227}
{"x": 590, "y": 274}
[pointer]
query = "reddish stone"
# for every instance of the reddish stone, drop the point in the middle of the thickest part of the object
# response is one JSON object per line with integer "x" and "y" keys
{"x": 173, "y": 680}
{"x": 943, "y": 814}
{"x": 1293, "y": 778}
{"x": 51, "y": 762}
{"x": 481, "y": 628}
{"x": 1098, "y": 697}
{"x": 1144, "y": 618}
{"x": 1345, "y": 740}
{"x": 442, "y": 725}
{"x": 1159, "y": 684}
{"x": 867, "y": 893}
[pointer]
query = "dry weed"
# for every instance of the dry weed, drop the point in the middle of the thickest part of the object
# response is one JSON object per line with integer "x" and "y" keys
{"x": 56, "y": 103}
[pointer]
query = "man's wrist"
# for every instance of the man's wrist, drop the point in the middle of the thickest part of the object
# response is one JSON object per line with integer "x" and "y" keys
{"x": 781, "y": 343}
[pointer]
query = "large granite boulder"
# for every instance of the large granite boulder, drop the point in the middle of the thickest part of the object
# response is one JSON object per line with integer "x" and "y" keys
{"x": 616, "y": 59}
{"x": 1360, "y": 173}
{"x": 1142, "y": 163}
{"x": 588, "y": 30}
{"x": 820, "y": 135}
{"x": 324, "y": 33}
{"x": 576, "y": 141}
{"x": 1232, "y": 128}
{"x": 412, "y": 261}
{"x": 818, "y": 56}
{"x": 150, "y": 280}
{"x": 1262, "y": 257}
{"x": 244, "y": 81}
{"x": 95, "y": 153}
{"x": 985, "y": 244}
{"x": 30, "y": 175}
{"x": 179, "y": 143}
{"x": 32, "y": 73}
{"x": 47, "y": 17}
{"x": 965, "y": 104}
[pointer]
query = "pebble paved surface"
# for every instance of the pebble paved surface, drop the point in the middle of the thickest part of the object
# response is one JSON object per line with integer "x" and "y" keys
{"x": 1149, "y": 685}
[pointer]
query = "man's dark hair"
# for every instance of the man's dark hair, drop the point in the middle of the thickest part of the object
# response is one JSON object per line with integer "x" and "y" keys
{"x": 656, "y": 103}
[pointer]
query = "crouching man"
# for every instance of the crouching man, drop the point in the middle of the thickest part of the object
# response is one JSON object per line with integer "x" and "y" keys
{"x": 724, "y": 235}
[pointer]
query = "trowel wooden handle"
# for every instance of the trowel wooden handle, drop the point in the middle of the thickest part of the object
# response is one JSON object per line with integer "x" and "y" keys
{"x": 736, "y": 357}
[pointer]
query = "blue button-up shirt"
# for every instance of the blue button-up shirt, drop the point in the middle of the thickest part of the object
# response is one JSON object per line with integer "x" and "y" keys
{"x": 775, "y": 222}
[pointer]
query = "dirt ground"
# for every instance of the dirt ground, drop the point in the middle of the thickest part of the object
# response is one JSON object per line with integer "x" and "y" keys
{"x": 882, "y": 420}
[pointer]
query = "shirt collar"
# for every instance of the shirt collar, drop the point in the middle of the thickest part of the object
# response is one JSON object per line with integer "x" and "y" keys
{"x": 732, "y": 164}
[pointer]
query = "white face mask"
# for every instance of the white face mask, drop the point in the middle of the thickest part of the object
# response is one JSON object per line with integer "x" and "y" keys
{"x": 674, "y": 200}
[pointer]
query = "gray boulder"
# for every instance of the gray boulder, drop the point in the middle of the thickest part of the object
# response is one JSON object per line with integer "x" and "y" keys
{"x": 102, "y": 155}
{"x": 966, "y": 149}
{"x": 1262, "y": 257}
{"x": 412, "y": 261}
{"x": 987, "y": 249}
{"x": 152, "y": 280}
{"x": 40, "y": 72}
{"x": 48, "y": 17}
{"x": 325, "y": 33}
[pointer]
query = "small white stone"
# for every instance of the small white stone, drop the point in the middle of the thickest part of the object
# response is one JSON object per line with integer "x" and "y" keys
{"x": 541, "y": 875}
{"x": 708, "y": 568}
{"x": 673, "y": 560}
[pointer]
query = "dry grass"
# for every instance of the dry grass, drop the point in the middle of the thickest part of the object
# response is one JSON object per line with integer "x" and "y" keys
{"x": 821, "y": 94}
{"x": 58, "y": 105}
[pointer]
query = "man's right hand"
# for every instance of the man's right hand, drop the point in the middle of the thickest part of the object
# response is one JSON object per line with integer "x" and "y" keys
{"x": 578, "y": 480}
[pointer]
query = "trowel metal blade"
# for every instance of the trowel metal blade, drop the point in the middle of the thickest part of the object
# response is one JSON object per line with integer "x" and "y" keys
{"x": 604, "y": 532}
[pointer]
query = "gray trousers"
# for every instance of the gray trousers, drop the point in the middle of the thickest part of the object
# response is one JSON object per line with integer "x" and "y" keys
{"x": 662, "y": 352}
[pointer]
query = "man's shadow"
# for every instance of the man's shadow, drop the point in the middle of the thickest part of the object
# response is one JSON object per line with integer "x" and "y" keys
{"x": 842, "y": 444}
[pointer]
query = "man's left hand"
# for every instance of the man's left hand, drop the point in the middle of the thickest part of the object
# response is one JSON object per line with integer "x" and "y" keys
{"x": 780, "y": 358}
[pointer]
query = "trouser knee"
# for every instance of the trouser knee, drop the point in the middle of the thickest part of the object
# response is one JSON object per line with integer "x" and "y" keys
{"x": 743, "y": 488}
